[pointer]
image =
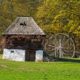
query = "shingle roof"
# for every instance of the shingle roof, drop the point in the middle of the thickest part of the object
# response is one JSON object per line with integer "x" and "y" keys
{"x": 24, "y": 25}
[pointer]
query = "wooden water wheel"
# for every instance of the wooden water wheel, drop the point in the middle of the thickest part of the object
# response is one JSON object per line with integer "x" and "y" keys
{"x": 60, "y": 45}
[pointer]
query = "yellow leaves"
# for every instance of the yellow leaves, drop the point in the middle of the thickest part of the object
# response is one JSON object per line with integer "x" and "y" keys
{"x": 60, "y": 14}
{"x": 41, "y": 12}
{"x": 46, "y": 9}
{"x": 51, "y": 15}
{"x": 5, "y": 7}
{"x": 20, "y": 9}
{"x": 77, "y": 31}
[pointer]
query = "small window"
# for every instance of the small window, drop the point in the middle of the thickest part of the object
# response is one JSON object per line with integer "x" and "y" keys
{"x": 12, "y": 51}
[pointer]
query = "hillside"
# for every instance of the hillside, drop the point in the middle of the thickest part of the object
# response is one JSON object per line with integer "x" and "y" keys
{"x": 51, "y": 15}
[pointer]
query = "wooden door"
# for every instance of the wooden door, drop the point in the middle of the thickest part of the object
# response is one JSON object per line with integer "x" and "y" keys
{"x": 30, "y": 56}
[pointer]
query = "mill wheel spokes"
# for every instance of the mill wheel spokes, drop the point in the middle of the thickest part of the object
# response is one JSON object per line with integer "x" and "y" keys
{"x": 60, "y": 45}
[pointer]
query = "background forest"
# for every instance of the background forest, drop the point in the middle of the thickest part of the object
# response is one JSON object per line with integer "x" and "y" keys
{"x": 51, "y": 15}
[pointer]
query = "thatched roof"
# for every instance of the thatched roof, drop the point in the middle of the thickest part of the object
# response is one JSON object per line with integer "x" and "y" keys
{"x": 25, "y": 26}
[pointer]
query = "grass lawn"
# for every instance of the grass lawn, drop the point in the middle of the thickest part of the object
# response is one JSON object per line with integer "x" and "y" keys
{"x": 10, "y": 70}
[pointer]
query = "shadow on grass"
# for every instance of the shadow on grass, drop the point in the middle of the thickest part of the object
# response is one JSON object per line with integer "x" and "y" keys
{"x": 68, "y": 60}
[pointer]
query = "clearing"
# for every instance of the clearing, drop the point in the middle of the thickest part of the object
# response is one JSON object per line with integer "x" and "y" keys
{"x": 10, "y": 70}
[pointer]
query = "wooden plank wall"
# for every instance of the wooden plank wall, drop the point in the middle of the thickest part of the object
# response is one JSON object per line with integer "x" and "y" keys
{"x": 2, "y": 42}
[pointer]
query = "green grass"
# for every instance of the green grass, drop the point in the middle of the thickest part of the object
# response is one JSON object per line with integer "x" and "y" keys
{"x": 10, "y": 70}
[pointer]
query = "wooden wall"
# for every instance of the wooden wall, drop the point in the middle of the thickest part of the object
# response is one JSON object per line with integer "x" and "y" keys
{"x": 23, "y": 42}
{"x": 2, "y": 42}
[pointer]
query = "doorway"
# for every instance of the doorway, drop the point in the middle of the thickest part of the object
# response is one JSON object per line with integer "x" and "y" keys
{"x": 30, "y": 55}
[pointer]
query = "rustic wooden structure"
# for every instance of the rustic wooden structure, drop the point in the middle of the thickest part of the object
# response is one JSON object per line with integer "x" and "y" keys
{"x": 2, "y": 40}
{"x": 24, "y": 34}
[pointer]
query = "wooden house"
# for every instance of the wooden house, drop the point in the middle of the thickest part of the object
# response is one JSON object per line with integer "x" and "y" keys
{"x": 23, "y": 40}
